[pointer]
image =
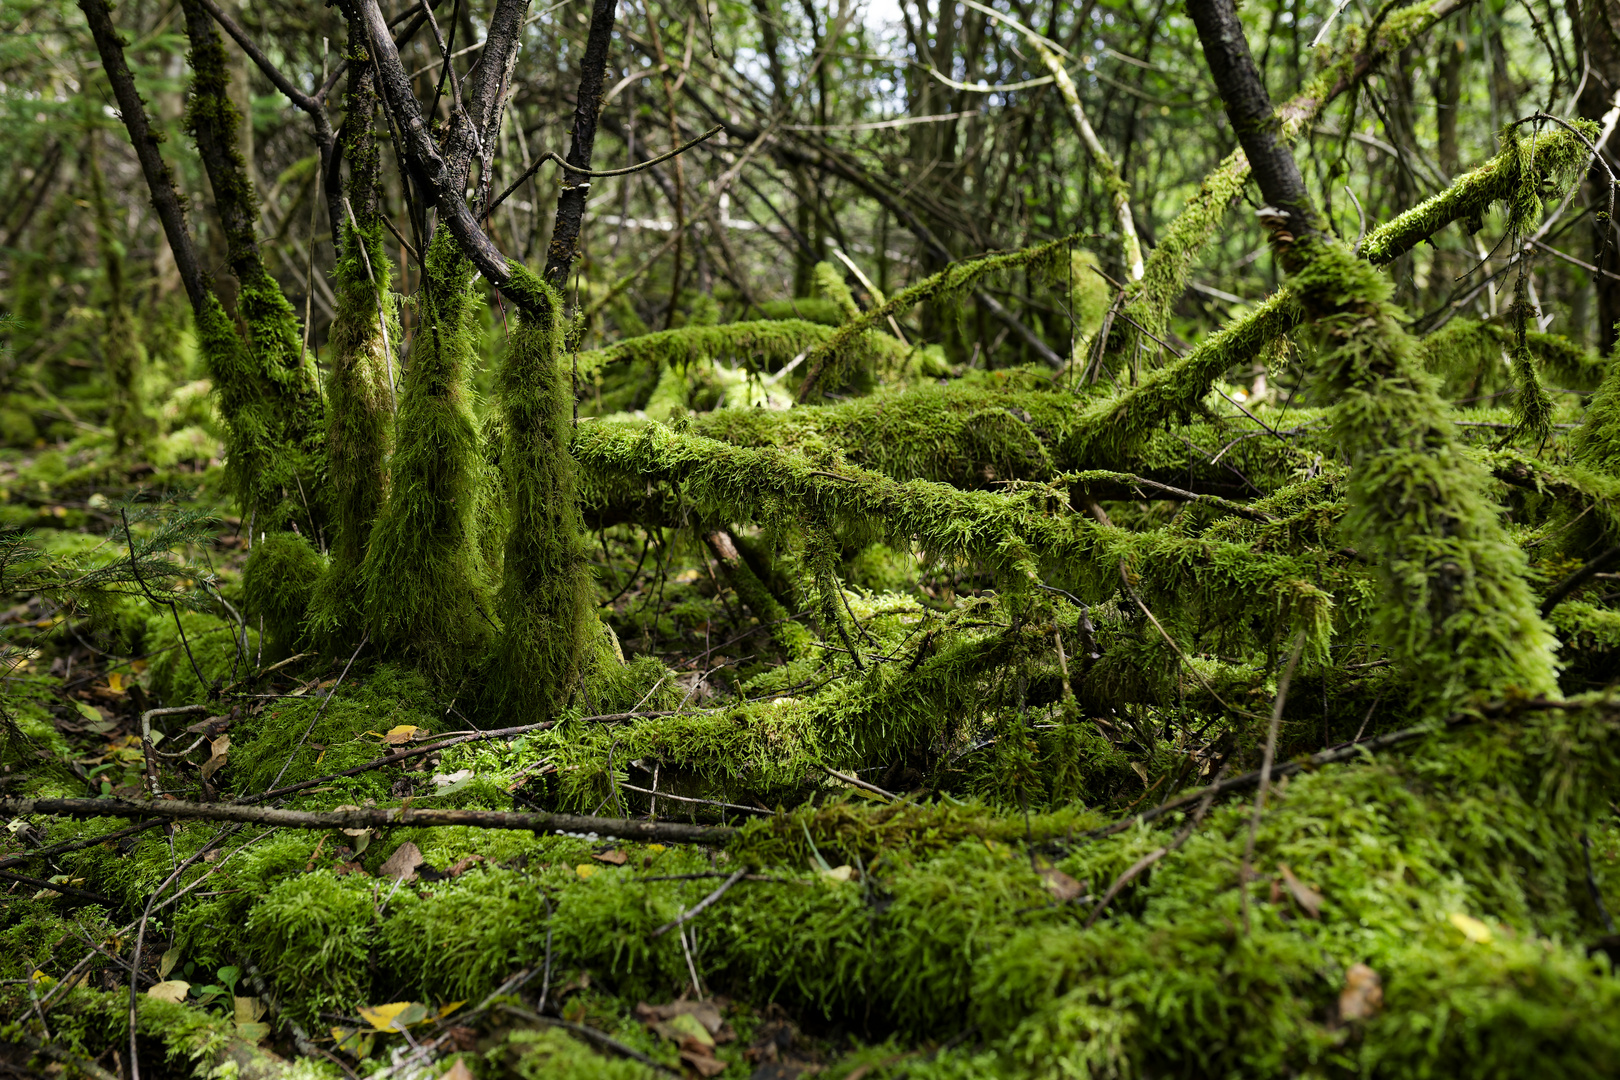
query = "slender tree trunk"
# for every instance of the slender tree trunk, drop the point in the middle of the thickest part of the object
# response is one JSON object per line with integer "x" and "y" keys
{"x": 571, "y": 203}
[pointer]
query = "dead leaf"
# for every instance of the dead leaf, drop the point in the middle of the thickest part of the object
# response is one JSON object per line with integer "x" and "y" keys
{"x": 839, "y": 873}
{"x": 1309, "y": 900}
{"x": 462, "y": 865}
{"x": 1363, "y": 993}
{"x": 1062, "y": 887}
{"x": 705, "y": 1013}
{"x": 349, "y": 868}
{"x": 404, "y": 733}
{"x": 458, "y": 1071}
{"x": 447, "y": 779}
{"x": 1472, "y": 928}
{"x": 351, "y": 832}
{"x": 402, "y": 864}
{"x": 396, "y": 1016}
{"x": 174, "y": 990}
{"x": 248, "y": 1009}
{"x": 703, "y": 1061}
{"x": 615, "y": 857}
{"x": 166, "y": 965}
{"x": 218, "y": 749}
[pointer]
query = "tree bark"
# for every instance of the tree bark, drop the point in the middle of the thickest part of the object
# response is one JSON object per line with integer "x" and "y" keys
{"x": 571, "y": 203}
{"x": 159, "y": 180}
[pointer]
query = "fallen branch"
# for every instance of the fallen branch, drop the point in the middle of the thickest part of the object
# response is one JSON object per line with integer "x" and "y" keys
{"x": 78, "y": 845}
{"x": 687, "y": 916}
{"x": 418, "y": 751}
{"x": 379, "y": 817}
{"x": 1325, "y": 757}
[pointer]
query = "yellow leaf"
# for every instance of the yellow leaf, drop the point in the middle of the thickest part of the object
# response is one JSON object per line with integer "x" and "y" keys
{"x": 115, "y": 682}
{"x": 173, "y": 990}
{"x": 585, "y": 870}
{"x": 1472, "y": 928}
{"x": 655, "y": 847}
{"x": 42, "y": 979}
{"x": 404, "y": 733}
{"x": 447, "y": 1008}
{"x": 396, "y": 1016}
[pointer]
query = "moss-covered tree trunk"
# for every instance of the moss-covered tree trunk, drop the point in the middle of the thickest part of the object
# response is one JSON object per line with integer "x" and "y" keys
{"x": 360, "y": 402}
{"x": 268, "y": 389}
{"x": 544, "y": 602}
{"x": 1456, "y": 610}
{"x": 426, "y": 582}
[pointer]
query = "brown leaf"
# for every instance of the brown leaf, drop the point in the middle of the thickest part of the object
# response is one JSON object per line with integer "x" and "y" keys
{"x": 616, "y": 857}
{"x": 402, "y": 864}
{"x": 705, "y": 1062}
{"x": 1062, "y": 887}
{"x": 1306, "y": 897}
{"x": 349, "y": 868}
{"x": 462, "y": 865}
{"x": 706, "y": 1013}
{"x": 218, "y": 749}
{"x": 1363, "y": 993}
{"x": 458, "y": 1071}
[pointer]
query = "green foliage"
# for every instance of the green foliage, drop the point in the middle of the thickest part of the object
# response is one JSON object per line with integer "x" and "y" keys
{"x": 1456, "y": 605}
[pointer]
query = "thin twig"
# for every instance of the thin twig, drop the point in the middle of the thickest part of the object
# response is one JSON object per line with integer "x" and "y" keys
{"x": 327, "y": 700}
{"x": 373, "y": 817}
{"x": 552, "y": 155}
{"x": 1265, "y": 774}
{"x": 687, "y": 916}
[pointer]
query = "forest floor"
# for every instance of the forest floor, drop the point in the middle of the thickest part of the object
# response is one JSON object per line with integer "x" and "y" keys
{"x": 877, "y": 928}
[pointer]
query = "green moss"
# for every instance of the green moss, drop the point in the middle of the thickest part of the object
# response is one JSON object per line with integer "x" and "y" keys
{"x": 834, "y": 358}
{"x": 1456, "y": 604}
{"x": 545, "y": 594}
{"x": 359, "y": 431}
{"x": 278, "y": 583}
{"x": 425, "y": 578}
{"x": 349, "y": 732}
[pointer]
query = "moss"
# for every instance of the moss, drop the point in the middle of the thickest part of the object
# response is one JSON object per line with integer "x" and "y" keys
{"x": 764, "y": 346}
{"x": 811, "y": 309}
{"x": 1456, "y": 605}
{"x": 835, "y": 357}
{"x": 1595, "y": 444}
{"x": 310, "y": 935}
{"x": 550, "y": 1054}
{"x": 545, "y": 594}
{"x": 279, "y": 582}
{"x": 349, "y": 732}
{"x": 829, "y": 285}
{"x": 359, "y": 432}
{"x": 268, "y": 388}
{"x": 425, "y": 578}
